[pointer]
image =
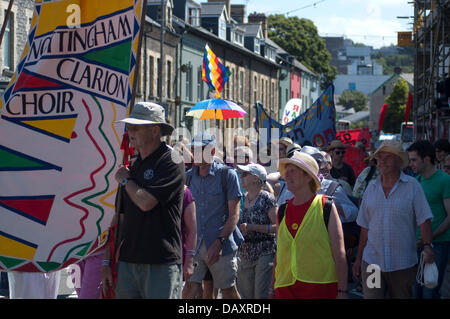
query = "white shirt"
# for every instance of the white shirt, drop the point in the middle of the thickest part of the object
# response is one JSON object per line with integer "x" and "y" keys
{"x": 392, "y": 222}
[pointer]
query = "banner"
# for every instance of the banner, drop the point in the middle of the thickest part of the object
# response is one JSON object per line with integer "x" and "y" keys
{"x": 59, "y": 136}
{"x": 350, "y": 137}
{"x": 316, "y": 126}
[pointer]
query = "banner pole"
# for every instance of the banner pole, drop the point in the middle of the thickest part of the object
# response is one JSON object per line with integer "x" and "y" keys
{"x": 138, "y": 58}
{"x": 118, "y": 201}
{"x": 8, "y": 13}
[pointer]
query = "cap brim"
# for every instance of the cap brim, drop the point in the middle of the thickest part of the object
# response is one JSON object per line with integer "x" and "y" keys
{"x": 243, "y": 168}
{"x": 166, "y": 129}
{"x": 282, "y": 169}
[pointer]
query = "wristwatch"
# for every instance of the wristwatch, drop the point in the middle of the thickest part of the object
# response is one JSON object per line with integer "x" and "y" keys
{"x": 428, "y": 244}
{"x": 124, "y": 181}
{"x": 221, "y": 239}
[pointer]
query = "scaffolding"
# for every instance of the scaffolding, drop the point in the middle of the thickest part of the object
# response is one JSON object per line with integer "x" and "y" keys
{"x": 431, "y": 66}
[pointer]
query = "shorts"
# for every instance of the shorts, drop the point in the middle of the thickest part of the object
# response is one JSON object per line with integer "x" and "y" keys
{"x": 224, "y": 271}
{"x": 148, "y": 281}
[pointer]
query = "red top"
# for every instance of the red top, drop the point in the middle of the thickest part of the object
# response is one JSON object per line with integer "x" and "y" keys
{"x": 302, "y": 290}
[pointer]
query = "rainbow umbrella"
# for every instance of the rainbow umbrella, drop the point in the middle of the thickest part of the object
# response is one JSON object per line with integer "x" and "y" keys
{"x": 217, "y": 109}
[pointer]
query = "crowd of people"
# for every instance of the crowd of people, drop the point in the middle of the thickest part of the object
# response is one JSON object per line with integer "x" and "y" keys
{"x": 217, "y": 225}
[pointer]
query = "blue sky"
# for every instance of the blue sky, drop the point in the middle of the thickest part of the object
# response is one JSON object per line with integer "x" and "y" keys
{"x": 372, "y": 22}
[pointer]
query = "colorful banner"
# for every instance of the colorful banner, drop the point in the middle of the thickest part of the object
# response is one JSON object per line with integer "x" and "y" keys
{"x": 59, "y": 136}
{"x": 214, "y": 73}
{"x": 316, "y": 126}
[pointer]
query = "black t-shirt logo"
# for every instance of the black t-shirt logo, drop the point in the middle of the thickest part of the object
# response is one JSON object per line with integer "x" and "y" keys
{"x": 148, "y": 174}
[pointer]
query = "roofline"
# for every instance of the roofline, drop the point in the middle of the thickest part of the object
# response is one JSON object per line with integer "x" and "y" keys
{"x": 390, "y": 78}
{"x": 226, "y": 43}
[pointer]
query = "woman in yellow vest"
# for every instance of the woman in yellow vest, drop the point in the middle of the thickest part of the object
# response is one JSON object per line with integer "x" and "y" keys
{"x": 310, "y": 259}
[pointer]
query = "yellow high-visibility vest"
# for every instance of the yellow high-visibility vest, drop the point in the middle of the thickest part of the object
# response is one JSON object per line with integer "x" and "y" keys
{"x": 307, "y": 257}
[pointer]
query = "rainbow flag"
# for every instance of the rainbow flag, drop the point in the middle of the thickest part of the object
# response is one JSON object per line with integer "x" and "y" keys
{"x": 214, "y": 73}
{"x": 59, "y": 135}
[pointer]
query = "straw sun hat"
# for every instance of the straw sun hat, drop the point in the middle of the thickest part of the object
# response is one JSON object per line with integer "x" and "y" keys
{"x": 304, "y": 161}
{"x": 394, "y": 147}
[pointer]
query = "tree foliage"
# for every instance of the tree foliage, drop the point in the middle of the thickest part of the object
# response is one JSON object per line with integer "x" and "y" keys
{"x": 403, "y": 59}
{"x": 396, "y": 101}
{"x": 353, "y": 98}
{"x": 300, "y": 38}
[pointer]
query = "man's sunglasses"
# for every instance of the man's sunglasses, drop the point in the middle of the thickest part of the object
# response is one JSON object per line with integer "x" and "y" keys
{"x": 339, "y": 152}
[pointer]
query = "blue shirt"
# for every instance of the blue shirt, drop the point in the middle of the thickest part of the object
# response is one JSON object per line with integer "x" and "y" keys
{"x": 392, "y": 222}
{"x": 341, "y": 198}
{"x": 211, "y": 204}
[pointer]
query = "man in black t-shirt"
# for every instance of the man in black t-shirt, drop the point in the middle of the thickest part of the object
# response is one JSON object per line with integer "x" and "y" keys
{"x": 340, "y": 169}
{"x": 153, "y": 188}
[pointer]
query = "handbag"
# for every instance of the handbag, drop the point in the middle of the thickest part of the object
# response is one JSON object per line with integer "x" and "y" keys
{"x": 427, "y": 274}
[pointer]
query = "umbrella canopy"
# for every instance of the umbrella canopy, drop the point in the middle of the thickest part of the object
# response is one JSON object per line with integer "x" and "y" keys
{"x": 217, "y": 109}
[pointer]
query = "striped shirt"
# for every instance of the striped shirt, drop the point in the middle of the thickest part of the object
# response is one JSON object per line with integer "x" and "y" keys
{"x": 392, "y": 222}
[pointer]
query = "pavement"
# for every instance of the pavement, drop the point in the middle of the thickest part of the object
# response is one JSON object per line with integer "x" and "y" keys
{"x": 68, "y": 292}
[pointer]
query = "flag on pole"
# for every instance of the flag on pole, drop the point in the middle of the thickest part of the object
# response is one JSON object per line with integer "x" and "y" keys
{"x": 381, "y": 117}
{"x": 60, "y": 139}
{"x": 214, "y": 73}
{"x": 408, "y": 107}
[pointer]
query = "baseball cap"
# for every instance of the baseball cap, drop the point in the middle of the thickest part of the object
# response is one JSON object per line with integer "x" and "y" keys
{"x": 254, "y": 169}
{"x": 202, "y": 139}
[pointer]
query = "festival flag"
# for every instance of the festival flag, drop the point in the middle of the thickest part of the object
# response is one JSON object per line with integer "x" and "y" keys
{"x": 408, "y": 107}
{"x": 60, "y": 136}
{"x": 214, "y": 73}
{"x": 381, "y": 117}
{"x": 316, "y": 126}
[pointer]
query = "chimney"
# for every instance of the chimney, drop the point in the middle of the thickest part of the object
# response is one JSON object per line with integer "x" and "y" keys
{"x": 227, "y": 3}
{"x": 259, "y": 18}
{"x": 238, "y": 12}
{"x": 397, "y": 70}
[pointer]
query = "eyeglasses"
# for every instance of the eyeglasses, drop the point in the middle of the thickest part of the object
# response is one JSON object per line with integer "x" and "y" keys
{"x": 339, "y": 152}
{"x": 243, "y": 174}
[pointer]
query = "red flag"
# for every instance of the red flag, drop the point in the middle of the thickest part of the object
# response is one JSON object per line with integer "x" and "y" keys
{"x": 381, "y": 118}
{"x": 408, "y": 107}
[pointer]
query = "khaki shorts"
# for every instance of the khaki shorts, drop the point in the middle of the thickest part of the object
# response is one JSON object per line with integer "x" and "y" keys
{"x": 223, "y": 272}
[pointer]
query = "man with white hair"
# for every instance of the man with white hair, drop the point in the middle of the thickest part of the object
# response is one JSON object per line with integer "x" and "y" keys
{"x": 391, "y": 208}
{"x": 153, "y": 190}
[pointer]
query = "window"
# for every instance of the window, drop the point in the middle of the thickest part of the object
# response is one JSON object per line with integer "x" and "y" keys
{"x": 222, "y": 29}
{"x": 227, "y": 86}
{"x": 262, "y": 92}
{"x": 151, "y": 75}
{"x": 158, "y": 75}
{"x": 193, "y": 17}
{"x": 257, "y": 48}
{"x": 272, "y": 92}
{"x": 169, "y": 79}
{"x": 8, "y": 42}
{"x": 241, "y": 86}
{"x": 255, "y": 88}
{"x": 200, "y": 92}
{"x": 352, "y": 86}
{"x": 189, "y": 83}
{"x": 235, "y": 82}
